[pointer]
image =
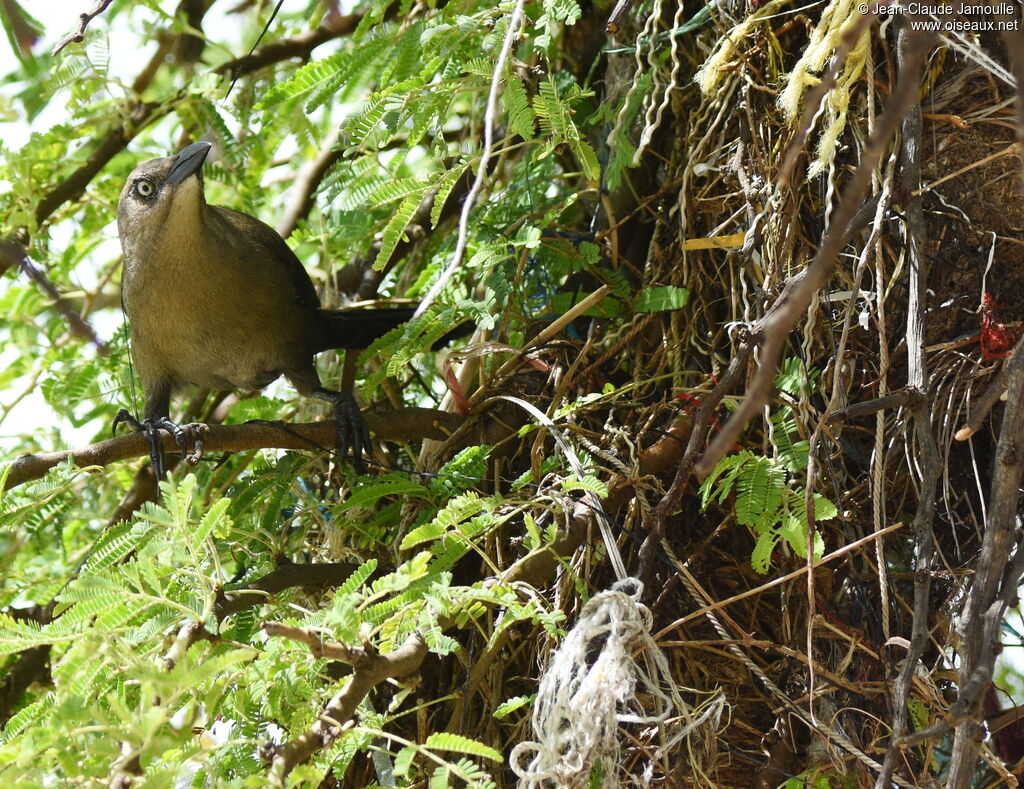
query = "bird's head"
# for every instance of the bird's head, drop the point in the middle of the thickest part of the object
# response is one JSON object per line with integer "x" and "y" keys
{"x": 162, "y": 199}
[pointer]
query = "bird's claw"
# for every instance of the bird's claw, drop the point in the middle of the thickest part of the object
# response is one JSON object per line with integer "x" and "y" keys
{"x": 183, "y": 435}
{"x": 352, "y": 430}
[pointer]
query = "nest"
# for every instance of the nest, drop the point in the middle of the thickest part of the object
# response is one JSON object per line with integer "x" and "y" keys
{"x": 746, "y": 151}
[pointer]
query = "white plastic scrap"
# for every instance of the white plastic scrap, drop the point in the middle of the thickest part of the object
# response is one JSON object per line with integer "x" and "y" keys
{"x": 594, "y": 684}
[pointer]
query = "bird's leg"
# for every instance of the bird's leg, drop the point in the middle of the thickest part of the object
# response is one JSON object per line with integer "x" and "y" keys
{"x": 183, "y": 436}
{"x": 352, "y": 430}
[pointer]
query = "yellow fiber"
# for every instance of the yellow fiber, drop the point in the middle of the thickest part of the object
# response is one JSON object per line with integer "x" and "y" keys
{"x": 709, "y": 74}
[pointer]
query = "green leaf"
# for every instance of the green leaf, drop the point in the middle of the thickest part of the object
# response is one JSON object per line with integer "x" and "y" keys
{"x": 517, "y": 107}
{"x": 447, "y": 741}
{"x": 661, "y": 299}
{"x": 395, "y": 228}
{"x": 322, "y": 78}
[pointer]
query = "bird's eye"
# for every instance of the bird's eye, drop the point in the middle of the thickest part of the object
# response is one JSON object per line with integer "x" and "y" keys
{"x": 144, "y": 188}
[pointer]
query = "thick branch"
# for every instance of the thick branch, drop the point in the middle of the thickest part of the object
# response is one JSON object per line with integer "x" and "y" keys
{"x": 909, "y": 398}
{"x": 32, "y": 665}
{"x": 409, "y": 423}
{"x": 299, "y": 46}
{"x": 980, "y": 408}
{"x": 285, "y": 576}
{"x": 997, "y": 577}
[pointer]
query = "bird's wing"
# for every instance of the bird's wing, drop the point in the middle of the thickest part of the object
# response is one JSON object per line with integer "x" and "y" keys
{"x": 262, "y": 237}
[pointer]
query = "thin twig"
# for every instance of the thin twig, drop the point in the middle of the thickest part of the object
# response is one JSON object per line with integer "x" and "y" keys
{"x": 981, "y": 407}
{"x": 13, "y": 254}
{"x": 796, "y": 295}
{"x": 78, "y": 36}
{"x": 490, "y": 117}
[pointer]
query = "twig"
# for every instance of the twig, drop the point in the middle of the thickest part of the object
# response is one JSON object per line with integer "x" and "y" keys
{"x": 796, "y": 295}
{"x": 549, "y": 331}
{"x": 903, "y": 398}
{"x": 404, "y": 424}
{"x": 831, "y": 557}
{"x": 14, "y": 254}
{"x": 981, "y": 407}
{"x": 909, "y": 51}
{"x": 698, "y": 436}
{"x": 1009, "y": 149}
{"x": 84, "y": 19}
{"x": 490, "y": 117}
{"x": 369, "y": 669}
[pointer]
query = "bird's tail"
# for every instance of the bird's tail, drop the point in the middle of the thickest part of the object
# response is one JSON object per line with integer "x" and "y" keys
{"x": 357, "y": 328}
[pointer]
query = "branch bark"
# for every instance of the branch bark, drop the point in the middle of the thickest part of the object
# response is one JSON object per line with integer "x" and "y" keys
{"x": 774, "y": 328}
{"x": 78, "y": 35}
{"x": 369, "y": 669}
{"x": 998, "y": 572}
{"x": 917, "y": 382}
{"x": 409, "y": 423}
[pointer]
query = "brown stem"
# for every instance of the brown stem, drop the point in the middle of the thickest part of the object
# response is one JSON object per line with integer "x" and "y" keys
{"x": 78, "y": 35}
{"x": 13, "y": 254}
{"x": 369, "y": 669}
{"x": 908, "y": 54}
{"x": 408, "y": 423}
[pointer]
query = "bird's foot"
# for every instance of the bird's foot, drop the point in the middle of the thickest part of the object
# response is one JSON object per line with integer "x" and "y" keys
{"x": 191, "y": 434}
{"x": 352, "y": 430}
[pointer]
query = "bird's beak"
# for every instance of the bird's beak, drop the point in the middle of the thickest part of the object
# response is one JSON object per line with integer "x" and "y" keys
{"x": 189, "y": 162}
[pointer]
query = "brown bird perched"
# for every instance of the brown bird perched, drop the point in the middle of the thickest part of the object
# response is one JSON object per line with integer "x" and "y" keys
{"x": 216, "y": 299}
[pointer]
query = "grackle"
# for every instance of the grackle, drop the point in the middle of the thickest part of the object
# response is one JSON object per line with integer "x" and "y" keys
{"x": 216, "y": 299}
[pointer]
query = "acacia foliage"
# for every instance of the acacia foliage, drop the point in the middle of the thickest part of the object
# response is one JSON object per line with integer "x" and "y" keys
{"x": 135, "y": 630}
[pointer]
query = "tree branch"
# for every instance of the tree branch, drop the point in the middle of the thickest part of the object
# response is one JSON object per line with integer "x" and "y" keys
{"x": 998, "y": 572}
{"x": 369, "y": 669}
{"x": 299, "y": 46}
{"x": 13, "y": 254}
{"x": 78, "y": 36}
{"x": 409, "y": 423}
{"x": 797, "y": 293}
{"x": 285, "y": 576}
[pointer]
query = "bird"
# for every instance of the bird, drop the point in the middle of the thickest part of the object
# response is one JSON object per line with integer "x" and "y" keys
{"x": 215, "y": 298}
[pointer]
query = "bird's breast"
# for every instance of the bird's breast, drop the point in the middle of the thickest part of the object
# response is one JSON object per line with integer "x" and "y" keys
{"x": 213, "y": 321}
